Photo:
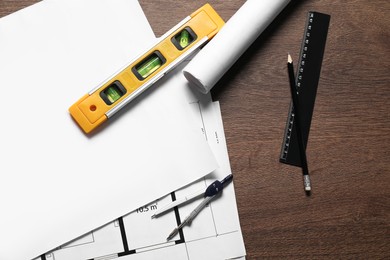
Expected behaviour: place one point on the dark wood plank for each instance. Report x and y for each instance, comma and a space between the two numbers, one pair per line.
348, 214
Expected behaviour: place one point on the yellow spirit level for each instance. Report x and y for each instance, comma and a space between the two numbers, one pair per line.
177, 44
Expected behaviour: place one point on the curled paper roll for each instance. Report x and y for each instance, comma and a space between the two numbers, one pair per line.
211, 63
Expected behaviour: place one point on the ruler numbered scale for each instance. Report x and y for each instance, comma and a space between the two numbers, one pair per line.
308, 75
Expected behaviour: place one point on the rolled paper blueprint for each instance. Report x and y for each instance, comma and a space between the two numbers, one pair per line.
242, 29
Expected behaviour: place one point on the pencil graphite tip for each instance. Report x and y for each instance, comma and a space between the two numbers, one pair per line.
289, 59
306, 183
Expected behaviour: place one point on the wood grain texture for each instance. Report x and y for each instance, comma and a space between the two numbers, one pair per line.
348, 214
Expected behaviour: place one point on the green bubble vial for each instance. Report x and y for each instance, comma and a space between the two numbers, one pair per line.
184, 39
149, 66
113, 92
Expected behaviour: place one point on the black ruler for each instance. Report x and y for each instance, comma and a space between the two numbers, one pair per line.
308, 75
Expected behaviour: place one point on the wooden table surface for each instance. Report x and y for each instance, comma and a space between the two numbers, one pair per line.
347, 215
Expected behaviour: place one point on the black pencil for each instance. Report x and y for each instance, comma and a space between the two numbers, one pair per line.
298, 124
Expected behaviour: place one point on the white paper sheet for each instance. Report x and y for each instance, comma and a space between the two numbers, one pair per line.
57, 183
214, 234
230, 43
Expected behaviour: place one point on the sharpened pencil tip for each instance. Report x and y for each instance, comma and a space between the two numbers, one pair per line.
307, 183
289, 59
